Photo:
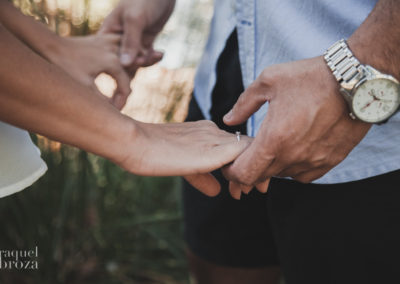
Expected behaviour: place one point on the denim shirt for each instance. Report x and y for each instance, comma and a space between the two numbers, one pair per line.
278, 31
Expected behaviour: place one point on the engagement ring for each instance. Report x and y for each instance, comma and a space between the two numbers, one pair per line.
238, 135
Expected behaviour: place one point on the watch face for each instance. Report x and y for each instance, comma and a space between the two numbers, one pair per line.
376, 100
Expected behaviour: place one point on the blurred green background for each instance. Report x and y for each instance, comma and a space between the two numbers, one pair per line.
93, 222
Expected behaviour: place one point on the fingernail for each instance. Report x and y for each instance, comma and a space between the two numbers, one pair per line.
125, 59
228, 116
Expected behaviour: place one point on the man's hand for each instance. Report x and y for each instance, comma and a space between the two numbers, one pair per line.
139, 22
307, 130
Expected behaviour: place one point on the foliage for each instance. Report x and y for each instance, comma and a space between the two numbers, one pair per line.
95, 223
68, 17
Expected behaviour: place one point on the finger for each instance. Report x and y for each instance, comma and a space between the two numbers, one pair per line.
131, 42
111, 38
141, 57
118, 101
263, 187
206, 183
250, 167
294, 170
131, 71
123, 90
235, 190
111, 42
227, 152
94, 87
152, 58
148, 40
140, 60
111, 24
311, 175
246, 189
248, 103
274, 168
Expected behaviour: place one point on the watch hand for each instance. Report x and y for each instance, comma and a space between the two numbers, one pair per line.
374, 95
367, 105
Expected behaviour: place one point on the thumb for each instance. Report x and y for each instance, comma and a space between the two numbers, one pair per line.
206, 183
131, 43
248, 103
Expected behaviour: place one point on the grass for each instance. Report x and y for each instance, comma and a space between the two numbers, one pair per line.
95, 223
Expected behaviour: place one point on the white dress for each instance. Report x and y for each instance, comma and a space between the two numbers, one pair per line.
20, 162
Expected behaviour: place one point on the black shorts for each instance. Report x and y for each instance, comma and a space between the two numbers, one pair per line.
226, 231
221, 229
340, 233
319, 234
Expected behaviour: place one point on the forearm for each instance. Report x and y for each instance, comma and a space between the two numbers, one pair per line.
40, 97
376, 42
33, 33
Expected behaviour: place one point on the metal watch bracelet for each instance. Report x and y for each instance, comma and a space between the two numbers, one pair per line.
344, 66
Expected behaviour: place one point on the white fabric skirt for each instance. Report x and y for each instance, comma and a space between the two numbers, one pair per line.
20, 161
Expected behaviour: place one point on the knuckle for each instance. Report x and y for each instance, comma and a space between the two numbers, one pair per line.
279, 139
246, 180
269, 76
112, 61
207, 123
266, 77
131, 16
294, 155
319, 160
261, 99
245, 177
238, 175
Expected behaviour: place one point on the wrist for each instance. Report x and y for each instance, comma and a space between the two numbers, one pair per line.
371, 54
372, 96
124, 144
376, 41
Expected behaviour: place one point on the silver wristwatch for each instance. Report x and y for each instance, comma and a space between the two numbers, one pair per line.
372, 96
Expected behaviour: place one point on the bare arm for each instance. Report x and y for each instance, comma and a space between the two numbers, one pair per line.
40, 97
376, 42
33, 33
84, 58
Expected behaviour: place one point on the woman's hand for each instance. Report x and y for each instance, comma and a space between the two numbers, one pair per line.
192, 149
64, 110
84, 58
